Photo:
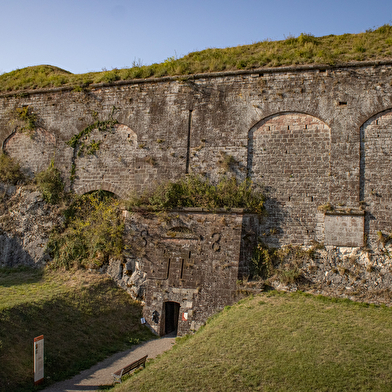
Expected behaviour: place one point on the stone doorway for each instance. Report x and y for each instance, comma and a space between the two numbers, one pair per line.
171, 312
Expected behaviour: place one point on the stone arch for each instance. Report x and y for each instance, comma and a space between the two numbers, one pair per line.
375, 172
111, 166
33, 150
104, 186
289, 153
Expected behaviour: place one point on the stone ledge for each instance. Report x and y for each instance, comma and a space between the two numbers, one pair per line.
346, 213
194, 210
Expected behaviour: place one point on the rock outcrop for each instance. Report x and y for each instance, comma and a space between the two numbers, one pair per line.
25, 224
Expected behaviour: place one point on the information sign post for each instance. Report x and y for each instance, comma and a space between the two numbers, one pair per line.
38, 359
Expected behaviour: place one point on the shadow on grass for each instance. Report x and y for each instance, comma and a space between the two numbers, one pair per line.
20, 275
81, 328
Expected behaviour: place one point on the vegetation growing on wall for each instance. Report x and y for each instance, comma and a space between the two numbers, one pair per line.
93, 232
79, 139
197, 191
383, 239
304, 49
24, 119
102, 126
10, 170
50, 184
283, 263
226, 162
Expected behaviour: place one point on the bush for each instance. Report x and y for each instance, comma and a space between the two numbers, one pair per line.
49, 182
93, 232
10, 170
196, 191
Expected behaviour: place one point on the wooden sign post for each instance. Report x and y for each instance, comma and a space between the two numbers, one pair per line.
38, 359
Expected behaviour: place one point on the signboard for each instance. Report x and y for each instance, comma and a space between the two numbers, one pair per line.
38, 359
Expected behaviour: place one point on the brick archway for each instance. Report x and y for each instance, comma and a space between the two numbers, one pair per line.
375, 171
33, 150
111, 166
290, 154
104, 186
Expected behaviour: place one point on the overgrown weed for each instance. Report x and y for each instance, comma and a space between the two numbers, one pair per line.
197, 191
284, 263
10, 171
92, 233
50, 184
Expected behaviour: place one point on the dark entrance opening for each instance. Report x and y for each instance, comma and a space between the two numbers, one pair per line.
172, 311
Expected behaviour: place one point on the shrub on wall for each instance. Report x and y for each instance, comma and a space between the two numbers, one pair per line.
93, 232
49, 182
10, 170
282, 263
197, 191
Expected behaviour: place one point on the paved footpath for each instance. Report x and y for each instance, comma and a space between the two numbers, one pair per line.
101, 373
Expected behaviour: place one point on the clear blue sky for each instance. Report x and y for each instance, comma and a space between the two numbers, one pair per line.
89, 35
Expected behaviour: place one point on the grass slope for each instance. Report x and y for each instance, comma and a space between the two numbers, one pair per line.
279, 342
305, 49
83, 316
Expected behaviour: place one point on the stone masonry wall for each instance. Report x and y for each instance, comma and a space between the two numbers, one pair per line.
326, 142
190, 257
291, 156
376, 168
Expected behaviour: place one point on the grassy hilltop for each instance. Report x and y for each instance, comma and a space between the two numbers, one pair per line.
279, 342
305, 49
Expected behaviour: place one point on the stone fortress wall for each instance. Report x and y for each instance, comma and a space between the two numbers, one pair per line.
312, 135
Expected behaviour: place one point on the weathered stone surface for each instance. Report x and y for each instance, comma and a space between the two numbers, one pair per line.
191, 258
25, 223
344, 230
310, 136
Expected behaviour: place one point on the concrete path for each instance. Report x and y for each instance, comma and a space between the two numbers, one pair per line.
101, 373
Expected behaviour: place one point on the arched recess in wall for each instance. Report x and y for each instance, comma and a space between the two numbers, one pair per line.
290, 154
105, 160
375, 173
33, 149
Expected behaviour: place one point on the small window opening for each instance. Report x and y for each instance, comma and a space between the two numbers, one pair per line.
182, 268
168, 269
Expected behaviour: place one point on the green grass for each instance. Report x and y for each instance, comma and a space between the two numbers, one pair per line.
83, 316
279, 342
305, 49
